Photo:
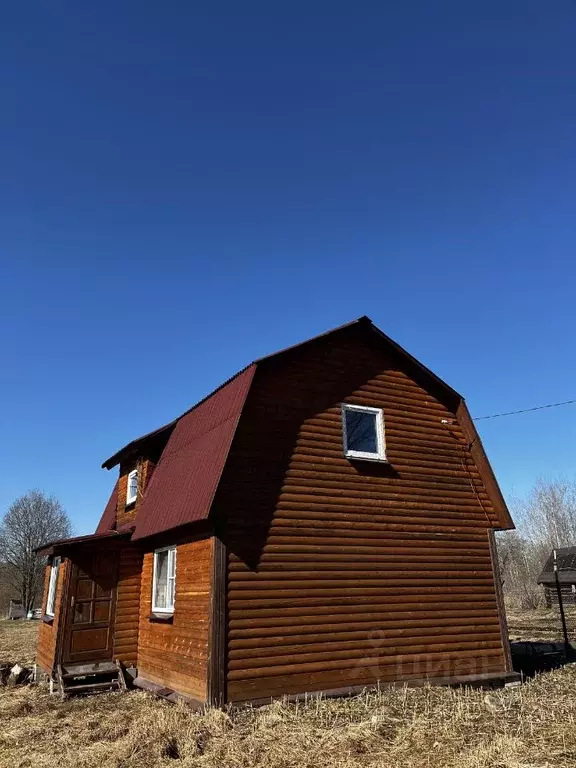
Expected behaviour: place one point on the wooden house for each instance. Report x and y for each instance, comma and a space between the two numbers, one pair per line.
566, 564
321, 522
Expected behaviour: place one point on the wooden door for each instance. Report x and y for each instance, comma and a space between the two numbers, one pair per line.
89, 630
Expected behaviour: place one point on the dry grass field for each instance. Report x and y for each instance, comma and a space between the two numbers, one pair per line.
531, 726
18, 641
541, 624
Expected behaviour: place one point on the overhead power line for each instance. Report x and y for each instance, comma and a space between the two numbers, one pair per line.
524, 410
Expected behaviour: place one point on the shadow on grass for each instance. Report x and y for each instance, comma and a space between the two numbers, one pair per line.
529, 657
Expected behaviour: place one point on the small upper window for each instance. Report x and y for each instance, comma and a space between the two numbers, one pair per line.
51, 602
363, 430
164, 582
132, 487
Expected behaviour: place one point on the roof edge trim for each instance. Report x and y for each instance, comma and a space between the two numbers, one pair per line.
484, 467
117, 457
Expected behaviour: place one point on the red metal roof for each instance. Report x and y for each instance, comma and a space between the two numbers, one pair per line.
109, 515
165, 429
363, 321
186, 477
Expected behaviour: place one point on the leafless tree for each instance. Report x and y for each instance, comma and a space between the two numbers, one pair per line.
545, 520
520, 564
31, 521
549, 514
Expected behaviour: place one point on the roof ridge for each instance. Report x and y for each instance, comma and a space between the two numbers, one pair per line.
362, 320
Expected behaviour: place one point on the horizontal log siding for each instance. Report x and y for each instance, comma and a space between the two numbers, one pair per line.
344, 573
128, 606
551, 595
127, 514
176, 655
48, 633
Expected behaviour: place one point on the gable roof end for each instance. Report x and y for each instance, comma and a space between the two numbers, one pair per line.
187, 475
362, 322
366, 323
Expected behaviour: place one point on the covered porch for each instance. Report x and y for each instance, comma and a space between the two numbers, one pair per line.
91, 609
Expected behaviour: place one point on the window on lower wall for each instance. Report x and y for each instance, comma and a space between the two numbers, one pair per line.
51, 602
363, 432
164, 582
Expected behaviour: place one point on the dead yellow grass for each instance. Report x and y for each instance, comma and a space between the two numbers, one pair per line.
532, 726
541, 624
18, 641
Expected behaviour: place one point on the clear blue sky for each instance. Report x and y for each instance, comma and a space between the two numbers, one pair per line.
187, 186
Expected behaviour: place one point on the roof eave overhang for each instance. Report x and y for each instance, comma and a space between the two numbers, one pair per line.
440, 383
133, 448
484, 468
62, 546
564, 577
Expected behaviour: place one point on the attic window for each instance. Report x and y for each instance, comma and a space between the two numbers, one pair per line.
132, 487
363, 431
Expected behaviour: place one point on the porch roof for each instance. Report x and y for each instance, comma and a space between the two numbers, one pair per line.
60, 545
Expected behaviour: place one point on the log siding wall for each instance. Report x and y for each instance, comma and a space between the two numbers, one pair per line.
126, 514
342, 573
176, 655
48, 633
127, 618
566, 590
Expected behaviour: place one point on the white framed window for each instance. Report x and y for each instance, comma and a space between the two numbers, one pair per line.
52, 586
164, 582
132, 487
363, 432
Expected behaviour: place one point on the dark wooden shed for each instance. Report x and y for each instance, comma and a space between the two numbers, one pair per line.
322, 522
566, 564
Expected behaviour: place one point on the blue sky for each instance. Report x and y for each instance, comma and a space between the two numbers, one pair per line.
187, 186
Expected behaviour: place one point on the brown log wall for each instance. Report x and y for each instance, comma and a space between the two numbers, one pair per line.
176, 655
128, 606
48, 633
343, 573
127, 514
551, 595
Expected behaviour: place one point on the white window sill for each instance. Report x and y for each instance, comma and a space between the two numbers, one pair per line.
357, 456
